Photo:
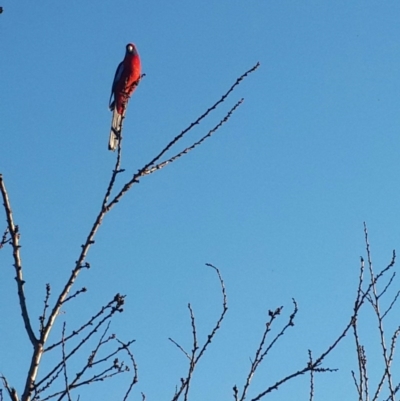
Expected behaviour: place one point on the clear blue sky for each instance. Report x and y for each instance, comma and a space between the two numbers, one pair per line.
276, 199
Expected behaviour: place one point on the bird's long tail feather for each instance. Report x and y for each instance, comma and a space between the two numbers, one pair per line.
115, 132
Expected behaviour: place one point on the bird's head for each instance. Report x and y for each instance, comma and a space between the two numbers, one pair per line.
130, 48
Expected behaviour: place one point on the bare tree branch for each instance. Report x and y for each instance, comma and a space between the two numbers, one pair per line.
147, 167
14, 233
262, 349
361, 296
376, 305
198, 352
115, 306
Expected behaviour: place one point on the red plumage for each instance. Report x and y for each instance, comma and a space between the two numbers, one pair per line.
125, 81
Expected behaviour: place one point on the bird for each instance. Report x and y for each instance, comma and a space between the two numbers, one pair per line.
126, 79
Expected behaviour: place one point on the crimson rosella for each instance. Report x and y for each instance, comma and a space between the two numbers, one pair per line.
126, 79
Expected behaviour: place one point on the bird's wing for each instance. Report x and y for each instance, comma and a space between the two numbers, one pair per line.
117, 77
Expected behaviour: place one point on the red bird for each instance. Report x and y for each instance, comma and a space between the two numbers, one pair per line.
125, 82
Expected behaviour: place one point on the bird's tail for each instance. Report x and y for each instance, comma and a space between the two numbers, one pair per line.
115, 132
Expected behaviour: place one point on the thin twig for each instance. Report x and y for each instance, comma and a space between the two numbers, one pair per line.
188, 149
357, 386
195, 347
64, 364
387, 285
42, 318
360, 384
4, 239
180, 347
391, 305
135, 378
222, 316
11, 391
311, 376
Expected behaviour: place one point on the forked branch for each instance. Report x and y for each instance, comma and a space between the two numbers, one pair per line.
375, 298
198, 351
151, 166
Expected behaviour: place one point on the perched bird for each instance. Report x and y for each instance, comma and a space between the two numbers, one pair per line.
125, 81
